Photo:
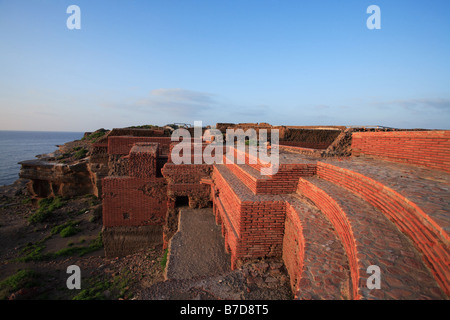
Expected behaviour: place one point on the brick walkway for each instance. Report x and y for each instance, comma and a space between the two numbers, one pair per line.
374, 212
379, 242
325, 273
428, 189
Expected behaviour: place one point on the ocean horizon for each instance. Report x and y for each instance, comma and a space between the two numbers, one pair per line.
16, 146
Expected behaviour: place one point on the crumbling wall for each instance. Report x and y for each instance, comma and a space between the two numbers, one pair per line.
124, 240
98, 166
135, 199
143, 161
129, 201
122, 144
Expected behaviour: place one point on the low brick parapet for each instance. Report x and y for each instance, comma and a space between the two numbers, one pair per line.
424, 148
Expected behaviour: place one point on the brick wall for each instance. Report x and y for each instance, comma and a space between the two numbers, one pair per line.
338, 219
143, 160
129, 201
252, 228
284, 182
136, 132
425, 148
123, 144
429, 238
293, 246
262, 228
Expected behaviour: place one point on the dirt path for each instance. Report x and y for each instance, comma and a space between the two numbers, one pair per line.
198, 267
197, 249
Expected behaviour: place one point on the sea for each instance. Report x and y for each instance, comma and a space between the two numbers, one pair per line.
17, 146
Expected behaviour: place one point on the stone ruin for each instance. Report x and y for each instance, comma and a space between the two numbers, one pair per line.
343, 199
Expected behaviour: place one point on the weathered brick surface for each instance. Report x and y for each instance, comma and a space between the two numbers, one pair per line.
123, 144
313, 254
143, 161
256, 223
283, 182
425, 148
371, 239
326, 247
424, 221
129, 201
136, 132
122, 240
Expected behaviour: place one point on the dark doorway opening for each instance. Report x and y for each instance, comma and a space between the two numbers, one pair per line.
181, 201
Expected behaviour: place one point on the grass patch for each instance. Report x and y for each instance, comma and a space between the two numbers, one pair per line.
32, 252
46, 208
21, 279
80, 154
66, 229
95, 245
26, 201
69, 231
82, 211
164, 259
106, 289
95, 136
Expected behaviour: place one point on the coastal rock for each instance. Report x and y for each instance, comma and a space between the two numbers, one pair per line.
49, 178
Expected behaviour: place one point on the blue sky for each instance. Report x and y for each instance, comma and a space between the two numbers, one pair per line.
284, 62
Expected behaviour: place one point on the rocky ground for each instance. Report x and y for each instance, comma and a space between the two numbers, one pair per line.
37, 246
35, 253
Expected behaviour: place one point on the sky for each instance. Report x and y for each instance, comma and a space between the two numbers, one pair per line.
136, 62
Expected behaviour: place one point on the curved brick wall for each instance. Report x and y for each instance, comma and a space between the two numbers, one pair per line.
425, 148
293, 246
428, 237
338, 218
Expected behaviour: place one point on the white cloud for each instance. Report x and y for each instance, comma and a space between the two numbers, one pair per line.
174, 101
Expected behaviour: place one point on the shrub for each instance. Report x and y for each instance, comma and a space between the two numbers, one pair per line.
21, 279
69, 231
80, 154
46, 207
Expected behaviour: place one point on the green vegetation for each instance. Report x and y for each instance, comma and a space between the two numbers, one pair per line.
81, 211
102, 289
95, 136
46, 207
145, 126
21, 279
67, 229
26, 201
253, 143
33, 252
95, 245
80, 154
164, 259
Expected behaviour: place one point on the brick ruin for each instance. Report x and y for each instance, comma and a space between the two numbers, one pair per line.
343, 199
